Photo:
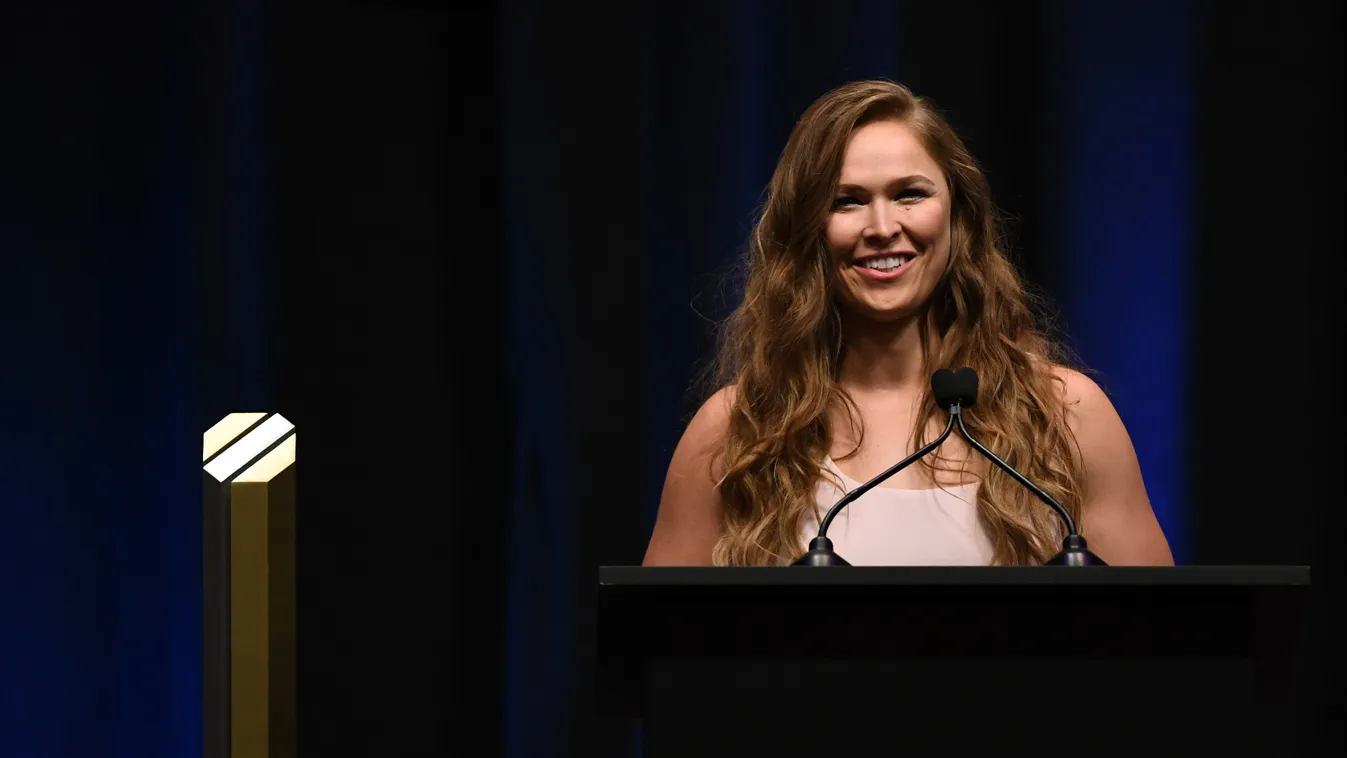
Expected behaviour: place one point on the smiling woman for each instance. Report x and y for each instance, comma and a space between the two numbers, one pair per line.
877, 260
890, 221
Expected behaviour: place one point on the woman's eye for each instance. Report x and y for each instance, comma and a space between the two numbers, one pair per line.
911, 195
844, 201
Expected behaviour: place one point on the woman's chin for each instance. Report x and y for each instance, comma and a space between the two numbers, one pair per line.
880, 313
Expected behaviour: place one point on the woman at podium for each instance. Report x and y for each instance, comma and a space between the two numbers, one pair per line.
876, 260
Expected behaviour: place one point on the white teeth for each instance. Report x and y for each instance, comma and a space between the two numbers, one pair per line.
887, 263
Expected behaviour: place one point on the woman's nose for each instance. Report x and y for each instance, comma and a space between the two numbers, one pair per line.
883, 222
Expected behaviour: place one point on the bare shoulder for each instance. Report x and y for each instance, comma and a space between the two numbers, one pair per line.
1117, 518
1081, 395
1099, 433
708, 427
1090, 414
688, 521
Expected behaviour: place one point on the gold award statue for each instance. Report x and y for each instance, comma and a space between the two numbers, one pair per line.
248, 551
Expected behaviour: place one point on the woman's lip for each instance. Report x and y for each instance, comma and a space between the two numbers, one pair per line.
883, 276
881, 256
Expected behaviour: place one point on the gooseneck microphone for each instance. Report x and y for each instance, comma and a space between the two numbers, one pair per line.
821, 548
963, 385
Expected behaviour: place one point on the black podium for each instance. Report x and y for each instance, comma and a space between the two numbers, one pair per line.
979, 661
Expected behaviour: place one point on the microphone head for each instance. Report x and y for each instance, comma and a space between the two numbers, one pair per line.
943, 388
950, 387
966, 380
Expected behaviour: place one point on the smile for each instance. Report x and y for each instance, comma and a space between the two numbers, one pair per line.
884, 268
887, 263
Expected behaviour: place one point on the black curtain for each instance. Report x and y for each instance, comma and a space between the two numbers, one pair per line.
387, 316
1267, 310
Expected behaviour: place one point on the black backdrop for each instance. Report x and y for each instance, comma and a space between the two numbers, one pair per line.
472, 252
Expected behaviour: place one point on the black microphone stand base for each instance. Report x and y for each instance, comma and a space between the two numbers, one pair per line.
821, 554
1075, 558
1075, 553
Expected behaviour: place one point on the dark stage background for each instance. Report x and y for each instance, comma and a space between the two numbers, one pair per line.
476, 254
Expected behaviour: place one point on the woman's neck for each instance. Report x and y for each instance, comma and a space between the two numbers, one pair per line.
883, 356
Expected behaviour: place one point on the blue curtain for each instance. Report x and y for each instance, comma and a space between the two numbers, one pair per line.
1123, 216
110, 187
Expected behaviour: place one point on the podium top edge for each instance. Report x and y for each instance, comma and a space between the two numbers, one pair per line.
647, 576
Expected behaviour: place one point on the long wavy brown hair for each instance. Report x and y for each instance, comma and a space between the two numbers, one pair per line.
782, 347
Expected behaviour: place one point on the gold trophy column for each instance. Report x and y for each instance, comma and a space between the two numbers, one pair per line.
248, 532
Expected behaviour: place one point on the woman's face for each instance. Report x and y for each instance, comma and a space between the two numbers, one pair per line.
889, 228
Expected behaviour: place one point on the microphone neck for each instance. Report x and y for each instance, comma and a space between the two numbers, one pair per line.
877, 480
956, 415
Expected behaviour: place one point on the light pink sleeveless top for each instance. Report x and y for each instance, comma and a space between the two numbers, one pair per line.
895, 527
